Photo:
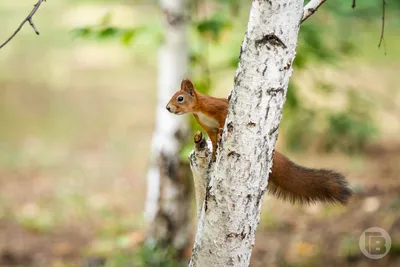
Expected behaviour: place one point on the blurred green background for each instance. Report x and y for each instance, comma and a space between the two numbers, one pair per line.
77, 112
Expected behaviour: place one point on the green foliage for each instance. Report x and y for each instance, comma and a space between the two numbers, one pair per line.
35, 219
349, 246
313, 46
126, 36
365, 9
395, 204
81, 32
213, 27
105, 31
145, 256
301, 124
348, 130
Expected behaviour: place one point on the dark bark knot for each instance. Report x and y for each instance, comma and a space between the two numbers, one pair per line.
275, 91
236, 235
229, 127
259, 197
173, 18
251, 124
238, 79
233, 153
270, 39
208, 197
249, 198
311, 10
286, 67
268, 1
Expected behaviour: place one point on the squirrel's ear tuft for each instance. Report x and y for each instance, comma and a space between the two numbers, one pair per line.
187, 86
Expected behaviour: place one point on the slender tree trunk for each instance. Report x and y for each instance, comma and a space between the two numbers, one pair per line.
168, 198
231, 210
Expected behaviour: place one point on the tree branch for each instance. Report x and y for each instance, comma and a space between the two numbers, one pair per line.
199, 163
311, 8
27, 19
382, 39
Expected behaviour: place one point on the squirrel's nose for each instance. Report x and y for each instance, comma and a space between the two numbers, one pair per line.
168, 108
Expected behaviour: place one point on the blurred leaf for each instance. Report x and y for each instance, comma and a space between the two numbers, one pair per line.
324, 86
202, 84
109, 32
300, 60
106, 19
347, 47
214, 26
195, 57
348, 132
312, 43
129, 35
185, 151
232, 5
81, 32
233, 62
357, 104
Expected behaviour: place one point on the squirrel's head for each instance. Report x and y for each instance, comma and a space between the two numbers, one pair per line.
183, 101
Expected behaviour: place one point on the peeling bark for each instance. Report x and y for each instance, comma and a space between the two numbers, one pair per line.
168, 194
230, 212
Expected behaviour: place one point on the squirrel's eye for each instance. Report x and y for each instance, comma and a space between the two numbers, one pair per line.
180, 98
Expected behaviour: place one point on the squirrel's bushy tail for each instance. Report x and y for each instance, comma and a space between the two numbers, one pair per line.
290, 181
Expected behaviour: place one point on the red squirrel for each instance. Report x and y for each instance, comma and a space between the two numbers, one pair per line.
287, 179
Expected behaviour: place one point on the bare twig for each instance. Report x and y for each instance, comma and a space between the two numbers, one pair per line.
311, 8
382, 39
353, 5
27, 19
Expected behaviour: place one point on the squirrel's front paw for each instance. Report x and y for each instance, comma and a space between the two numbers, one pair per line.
219, 138
213, 157
212, 161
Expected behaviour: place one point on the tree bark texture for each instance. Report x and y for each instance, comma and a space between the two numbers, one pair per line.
168, 195
238, 179
199, 163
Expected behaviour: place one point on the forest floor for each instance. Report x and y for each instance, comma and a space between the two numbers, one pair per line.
287, 236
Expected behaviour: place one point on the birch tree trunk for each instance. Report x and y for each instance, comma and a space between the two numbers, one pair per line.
168, 194
231, 210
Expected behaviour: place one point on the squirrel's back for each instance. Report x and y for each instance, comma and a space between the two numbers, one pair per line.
290, 181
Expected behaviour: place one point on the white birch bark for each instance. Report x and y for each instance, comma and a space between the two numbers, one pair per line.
199, 162
168, 200
238, 179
